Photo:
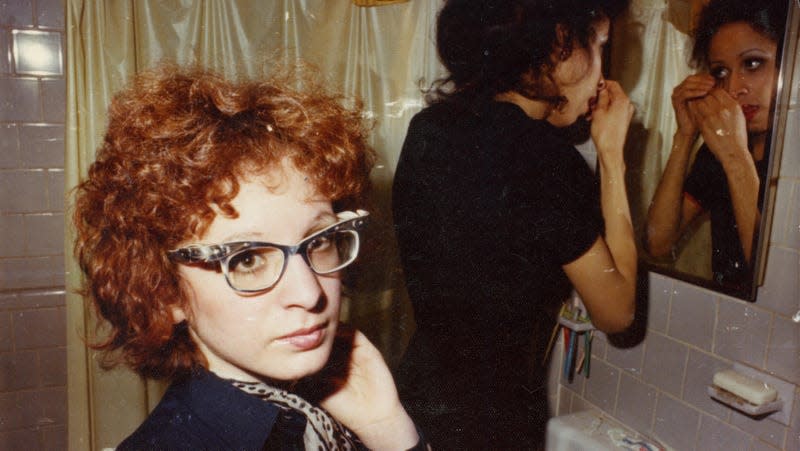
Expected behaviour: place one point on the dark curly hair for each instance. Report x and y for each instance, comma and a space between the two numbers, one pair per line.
767, 17
178, 141
490, 47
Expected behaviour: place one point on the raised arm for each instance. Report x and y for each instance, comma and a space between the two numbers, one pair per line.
722, 124
605, 276
670, 212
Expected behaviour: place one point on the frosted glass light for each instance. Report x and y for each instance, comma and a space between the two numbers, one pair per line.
37, 52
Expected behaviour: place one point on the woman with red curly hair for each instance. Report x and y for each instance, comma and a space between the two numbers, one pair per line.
212, 231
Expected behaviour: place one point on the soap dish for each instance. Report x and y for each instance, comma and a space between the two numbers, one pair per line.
743, 405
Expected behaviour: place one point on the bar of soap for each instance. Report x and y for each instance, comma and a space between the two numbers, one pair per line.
751, 390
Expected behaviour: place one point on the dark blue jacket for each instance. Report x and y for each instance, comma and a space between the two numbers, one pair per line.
205, 412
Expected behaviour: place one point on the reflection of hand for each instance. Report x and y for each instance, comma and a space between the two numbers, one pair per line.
692, 87
357, 388
722, 124
610, 120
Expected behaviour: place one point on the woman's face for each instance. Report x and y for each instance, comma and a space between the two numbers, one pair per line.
578, 79
285, 332
743, 62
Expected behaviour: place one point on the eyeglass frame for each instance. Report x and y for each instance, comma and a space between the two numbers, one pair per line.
223, 252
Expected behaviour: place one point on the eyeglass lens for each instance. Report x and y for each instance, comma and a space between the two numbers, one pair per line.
259, 268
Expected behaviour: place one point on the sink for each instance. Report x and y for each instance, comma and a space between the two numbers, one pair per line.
590, 430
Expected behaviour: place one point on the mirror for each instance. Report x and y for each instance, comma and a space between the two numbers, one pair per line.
651, 51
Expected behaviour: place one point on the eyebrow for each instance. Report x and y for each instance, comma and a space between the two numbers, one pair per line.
322, 220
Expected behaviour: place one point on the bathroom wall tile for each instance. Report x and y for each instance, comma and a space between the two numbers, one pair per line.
9, 146
759, 445
16, 12
23, 191
783, 353
42, 146
18, 370
601, 387
716, 435
53, 405
767, 430
699, 375
6, 332
793, 433
660, 294
45, 234
54, 97
40, 328
28, 439
580, 404
790, 161
780, 216
54, 437
675, 423
55, 190
13, 242
627, 359
636, 404
5, 51
793, 224
744, 334
50, 13
53, 367
19, 100
30, 300
599, 345
665, 363
692, 316
17, 410
33, 272
781, 289
564, 402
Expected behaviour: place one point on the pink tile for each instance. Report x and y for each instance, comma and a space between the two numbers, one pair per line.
50, 13
42, 146
627, 359
19, 370
54, 96
16, 12
9, 143
718, 436
13, 242
676, 423
665, 363
45, 234
636, 404
23, 191
6, 331
660, 294
742, 332
781, 289
692, 316
699, 375
55, 190
40, 328
53, 367
783, 353
20, 100
602, 385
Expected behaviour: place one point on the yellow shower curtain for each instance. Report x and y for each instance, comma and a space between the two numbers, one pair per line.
379, 54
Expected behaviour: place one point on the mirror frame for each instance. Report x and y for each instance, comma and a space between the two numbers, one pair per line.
787, 54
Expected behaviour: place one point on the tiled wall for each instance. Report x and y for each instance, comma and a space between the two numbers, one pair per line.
33, 405
658, 385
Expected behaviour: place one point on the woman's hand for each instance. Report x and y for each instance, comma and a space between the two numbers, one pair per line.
722, 123
358, 390
691, 88
610, 120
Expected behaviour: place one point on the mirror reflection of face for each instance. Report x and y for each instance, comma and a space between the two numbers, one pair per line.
286, 332
743, 62
578, 78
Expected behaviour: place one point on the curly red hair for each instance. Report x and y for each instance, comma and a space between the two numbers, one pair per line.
178, 141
